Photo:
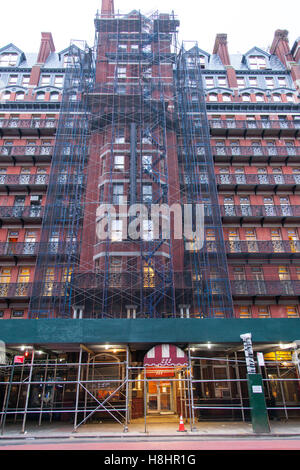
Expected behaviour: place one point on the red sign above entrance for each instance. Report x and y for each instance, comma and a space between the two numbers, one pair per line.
160, 372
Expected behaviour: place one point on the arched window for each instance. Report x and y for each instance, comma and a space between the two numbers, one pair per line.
276, 97
40, 96
259, 97
290, 97
54, 96
226, 97
246, 97
20, 95
213, 97
6, 95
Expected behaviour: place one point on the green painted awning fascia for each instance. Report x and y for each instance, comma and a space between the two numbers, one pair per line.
93, 331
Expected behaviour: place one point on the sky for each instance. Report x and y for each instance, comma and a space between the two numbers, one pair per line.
246, 23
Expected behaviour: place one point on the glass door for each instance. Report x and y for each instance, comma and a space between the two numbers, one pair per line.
159, 398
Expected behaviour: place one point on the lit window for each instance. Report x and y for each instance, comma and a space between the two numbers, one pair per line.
149, 278
263, 312
292, 312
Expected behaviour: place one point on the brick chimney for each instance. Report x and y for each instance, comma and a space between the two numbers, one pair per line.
46, 47
107, 8
280, 46
221, 49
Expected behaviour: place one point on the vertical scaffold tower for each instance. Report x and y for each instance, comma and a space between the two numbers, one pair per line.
205, 266
61, 233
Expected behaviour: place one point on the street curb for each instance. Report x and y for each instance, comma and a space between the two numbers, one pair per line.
147, 436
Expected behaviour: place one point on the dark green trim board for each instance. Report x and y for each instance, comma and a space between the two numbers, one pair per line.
91, 331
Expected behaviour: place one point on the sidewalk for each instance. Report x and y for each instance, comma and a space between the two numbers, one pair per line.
137, 430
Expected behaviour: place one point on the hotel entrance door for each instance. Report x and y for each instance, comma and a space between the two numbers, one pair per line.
159, 397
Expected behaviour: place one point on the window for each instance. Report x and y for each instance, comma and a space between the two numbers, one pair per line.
222, 81
253, 81
289, 97
6, 95
213, 97
240, 82
245, 97
115, 269
147, 163
120, 135
118, 193
209, 82
147, 193
121, 72
12, 79
58, 81
244, 311
282, 82
292, 311
20, 96
226, 97
147, 233
117, 230
45, 80
276, 98
269, 82
8, 59
122, 48
17, 314
263, 312
149, 276
54, 96
40, 96
25, 80
257, 62
119, 163
134, 48
259, 97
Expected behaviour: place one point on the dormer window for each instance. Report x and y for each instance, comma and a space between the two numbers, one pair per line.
257, 62
8, 59
202, 61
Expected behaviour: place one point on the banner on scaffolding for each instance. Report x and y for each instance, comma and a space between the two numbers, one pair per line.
248, 349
